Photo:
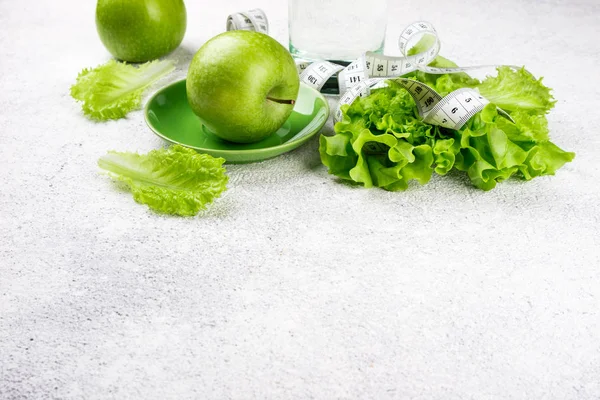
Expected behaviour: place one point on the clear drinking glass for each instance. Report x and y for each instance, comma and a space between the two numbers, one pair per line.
336, 30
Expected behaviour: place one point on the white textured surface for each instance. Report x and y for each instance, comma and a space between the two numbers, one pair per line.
293, 285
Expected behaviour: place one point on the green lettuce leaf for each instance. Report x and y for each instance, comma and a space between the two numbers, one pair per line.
527, 127
490, 152
517, 91
112, 90
381, 142
176, 180
444, 152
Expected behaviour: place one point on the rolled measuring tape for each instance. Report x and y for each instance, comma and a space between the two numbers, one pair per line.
451, 111
372, 70
251, 20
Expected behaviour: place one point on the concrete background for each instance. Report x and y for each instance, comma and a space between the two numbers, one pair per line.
292, 285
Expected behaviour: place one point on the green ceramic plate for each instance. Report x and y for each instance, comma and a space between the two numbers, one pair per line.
169, 115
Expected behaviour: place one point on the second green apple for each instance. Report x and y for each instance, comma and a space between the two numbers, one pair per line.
242, 85
140, 30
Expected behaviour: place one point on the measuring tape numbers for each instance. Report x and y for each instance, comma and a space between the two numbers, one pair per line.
451, 111
316, 75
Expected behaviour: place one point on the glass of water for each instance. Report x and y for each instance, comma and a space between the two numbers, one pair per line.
336, 30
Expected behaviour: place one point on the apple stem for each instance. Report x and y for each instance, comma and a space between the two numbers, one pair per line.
281, 101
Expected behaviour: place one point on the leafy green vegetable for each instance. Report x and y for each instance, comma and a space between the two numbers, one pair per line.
111, 90
491, 154
517, 90
382, 142
176, 180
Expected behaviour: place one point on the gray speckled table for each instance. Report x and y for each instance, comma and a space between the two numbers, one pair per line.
293, 285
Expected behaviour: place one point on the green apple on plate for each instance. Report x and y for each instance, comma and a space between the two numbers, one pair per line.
242, 85
168, 115
140, 30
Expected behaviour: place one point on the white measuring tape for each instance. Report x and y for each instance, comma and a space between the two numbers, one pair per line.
371, 70
251, 20
451, 111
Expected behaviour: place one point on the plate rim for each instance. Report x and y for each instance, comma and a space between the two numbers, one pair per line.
281, 146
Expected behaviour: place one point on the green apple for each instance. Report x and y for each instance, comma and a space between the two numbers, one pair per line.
242, 85
140, 30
